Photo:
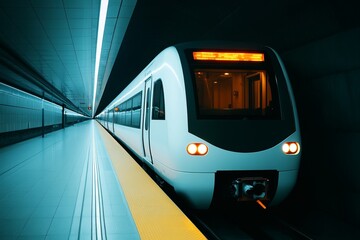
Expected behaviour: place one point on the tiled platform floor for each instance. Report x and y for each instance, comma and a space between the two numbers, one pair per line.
62, 186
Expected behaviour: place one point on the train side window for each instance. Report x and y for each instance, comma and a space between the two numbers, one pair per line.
136, 110
158, 101
128, 112
122, 114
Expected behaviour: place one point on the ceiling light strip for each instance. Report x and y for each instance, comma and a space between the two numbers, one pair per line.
100, 36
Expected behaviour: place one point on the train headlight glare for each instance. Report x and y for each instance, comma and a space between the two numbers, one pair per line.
197, 149
285, 147
291, 148
202, 149
192, 149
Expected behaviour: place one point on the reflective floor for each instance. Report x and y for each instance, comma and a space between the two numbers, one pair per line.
62, 186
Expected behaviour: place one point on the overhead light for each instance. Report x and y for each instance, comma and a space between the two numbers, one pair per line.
100, 36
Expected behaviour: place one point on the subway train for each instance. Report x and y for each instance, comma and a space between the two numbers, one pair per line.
216, 121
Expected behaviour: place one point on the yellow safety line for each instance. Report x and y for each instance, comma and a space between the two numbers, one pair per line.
155, 215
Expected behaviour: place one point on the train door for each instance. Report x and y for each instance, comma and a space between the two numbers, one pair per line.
146, 121
107, 119
113, 120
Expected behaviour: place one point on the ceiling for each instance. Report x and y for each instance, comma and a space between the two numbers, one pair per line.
51, 44
48, 47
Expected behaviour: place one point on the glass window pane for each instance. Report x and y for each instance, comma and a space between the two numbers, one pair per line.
158, 101
235, 93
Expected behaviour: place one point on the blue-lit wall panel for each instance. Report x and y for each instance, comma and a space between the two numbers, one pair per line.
18, 110
53, 114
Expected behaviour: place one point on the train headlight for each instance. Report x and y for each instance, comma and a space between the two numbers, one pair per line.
197, 149
192, 149
202, 149
291, 148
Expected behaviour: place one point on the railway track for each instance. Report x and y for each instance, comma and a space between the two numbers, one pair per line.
244, 222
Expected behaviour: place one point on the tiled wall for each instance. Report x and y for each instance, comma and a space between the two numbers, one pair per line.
19, 110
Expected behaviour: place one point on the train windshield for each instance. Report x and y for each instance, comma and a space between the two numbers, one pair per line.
236, 93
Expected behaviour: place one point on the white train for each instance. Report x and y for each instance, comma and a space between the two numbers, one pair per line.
217, 121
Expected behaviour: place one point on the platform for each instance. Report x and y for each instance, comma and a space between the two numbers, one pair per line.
79, 183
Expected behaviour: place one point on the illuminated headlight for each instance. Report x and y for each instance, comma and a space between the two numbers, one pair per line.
291, 148
192, 149
197, 149
202, 149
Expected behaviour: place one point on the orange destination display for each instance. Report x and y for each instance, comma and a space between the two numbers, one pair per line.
229, 56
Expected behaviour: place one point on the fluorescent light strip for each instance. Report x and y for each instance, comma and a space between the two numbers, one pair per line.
100, 36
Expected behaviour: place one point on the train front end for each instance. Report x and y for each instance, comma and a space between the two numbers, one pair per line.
243, 129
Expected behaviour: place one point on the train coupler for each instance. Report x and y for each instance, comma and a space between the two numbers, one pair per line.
250, 189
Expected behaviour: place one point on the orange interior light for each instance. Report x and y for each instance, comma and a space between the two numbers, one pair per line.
116, 109
229, 56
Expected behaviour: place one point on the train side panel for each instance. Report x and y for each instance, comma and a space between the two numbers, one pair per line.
167, 132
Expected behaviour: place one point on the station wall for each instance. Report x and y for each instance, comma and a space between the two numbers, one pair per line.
326, 81
23, 116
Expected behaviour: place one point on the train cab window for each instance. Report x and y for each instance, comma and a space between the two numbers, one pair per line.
158, 109
236, 93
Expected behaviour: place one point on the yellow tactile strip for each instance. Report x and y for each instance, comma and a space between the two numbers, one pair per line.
155, 215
